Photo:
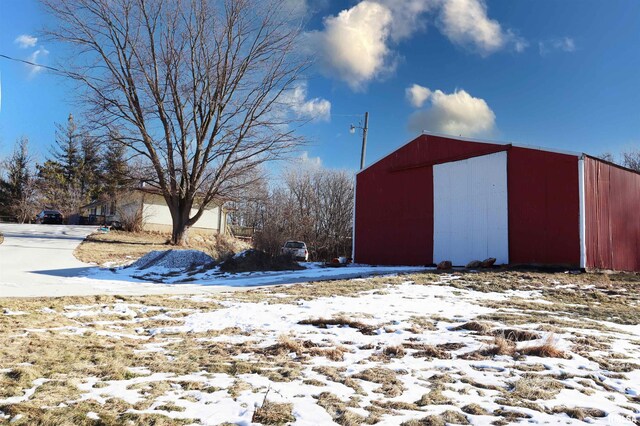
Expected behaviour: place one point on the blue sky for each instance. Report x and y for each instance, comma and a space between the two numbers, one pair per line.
560, 74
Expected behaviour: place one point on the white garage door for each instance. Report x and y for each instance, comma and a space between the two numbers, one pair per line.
470, 210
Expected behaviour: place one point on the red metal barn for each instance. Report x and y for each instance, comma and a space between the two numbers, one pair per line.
438, 198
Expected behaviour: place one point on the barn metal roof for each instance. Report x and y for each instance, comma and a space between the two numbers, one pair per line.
483, 141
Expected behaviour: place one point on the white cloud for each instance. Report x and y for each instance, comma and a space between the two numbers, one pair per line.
36, 57
456, 113
356, 46
313, 109
307, 161
465, 23
417, 95
353, 45
408, 16
25, 40
563, 44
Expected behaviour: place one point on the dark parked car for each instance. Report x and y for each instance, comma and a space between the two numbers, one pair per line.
49, 216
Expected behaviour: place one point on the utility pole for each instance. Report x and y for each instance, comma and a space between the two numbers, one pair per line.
364, 139
364, 128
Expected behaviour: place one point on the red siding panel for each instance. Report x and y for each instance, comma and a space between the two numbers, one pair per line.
394, 201
612, 197
544, 208
394, 218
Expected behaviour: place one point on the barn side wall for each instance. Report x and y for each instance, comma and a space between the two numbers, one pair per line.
394, 201
544, 208
612, 198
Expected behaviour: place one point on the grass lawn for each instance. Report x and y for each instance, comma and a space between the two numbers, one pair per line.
118, 247
422, 349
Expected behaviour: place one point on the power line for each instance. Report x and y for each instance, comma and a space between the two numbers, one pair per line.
29, 63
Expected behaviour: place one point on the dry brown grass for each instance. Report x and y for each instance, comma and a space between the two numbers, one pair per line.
433, 397
442, 419
170, 407
598, 296
515, 335
477, 326
547, 349
119, 247
273, 413
391, 386
310, 291
363, 328
333, 354
501, 346
394, 351
67, 358
579, 413
337, 374
474, 409
534, 386
339, 410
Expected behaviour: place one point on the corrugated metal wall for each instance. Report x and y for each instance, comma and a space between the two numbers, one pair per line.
544, 208
394, 200
395, 212
612, 200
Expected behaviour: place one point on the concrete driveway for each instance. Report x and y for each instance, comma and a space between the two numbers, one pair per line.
38, 260
39, 256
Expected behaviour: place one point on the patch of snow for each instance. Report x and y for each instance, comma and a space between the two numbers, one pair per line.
93, 415
27, 393
9, 312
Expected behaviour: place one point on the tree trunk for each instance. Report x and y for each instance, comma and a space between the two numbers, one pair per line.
180, 218
180, 234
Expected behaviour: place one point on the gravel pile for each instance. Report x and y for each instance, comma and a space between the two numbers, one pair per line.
172, 259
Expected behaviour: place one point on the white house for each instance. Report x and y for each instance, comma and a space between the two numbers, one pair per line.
155, 212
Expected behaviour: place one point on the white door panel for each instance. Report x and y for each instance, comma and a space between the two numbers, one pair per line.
470, 210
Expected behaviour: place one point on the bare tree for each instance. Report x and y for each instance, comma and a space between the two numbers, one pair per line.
607, 156
314, 205
196, 87
631, 159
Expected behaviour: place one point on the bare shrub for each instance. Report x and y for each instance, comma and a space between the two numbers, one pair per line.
132, 217
256, 260
314, 205
222, 246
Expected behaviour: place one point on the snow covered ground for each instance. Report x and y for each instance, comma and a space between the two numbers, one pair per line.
37, 260
487, 348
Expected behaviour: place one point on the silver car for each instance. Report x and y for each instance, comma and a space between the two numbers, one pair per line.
297, 250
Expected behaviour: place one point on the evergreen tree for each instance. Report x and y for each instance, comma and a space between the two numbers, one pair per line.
67, 151
18, 187
115, 168
90, 173
52, 186
71, 177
